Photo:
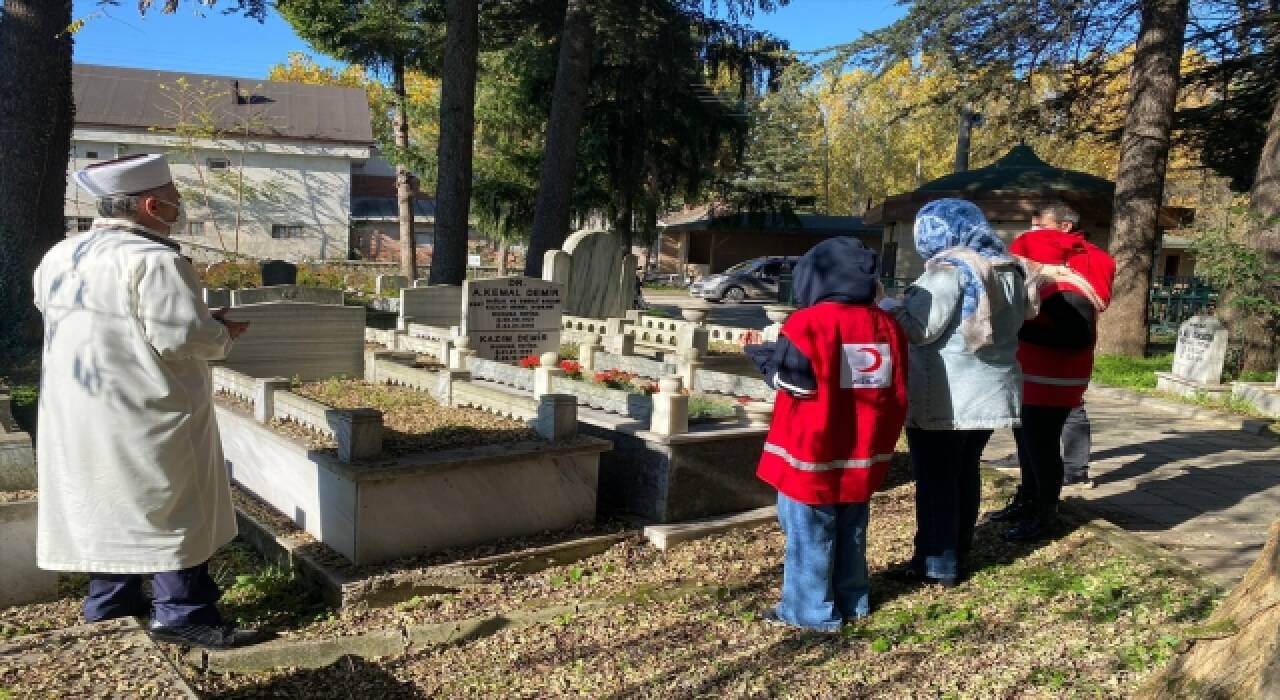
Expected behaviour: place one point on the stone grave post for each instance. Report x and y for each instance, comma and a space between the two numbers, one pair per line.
1198, 359
670, 408
460, 352
777, 315
690, 363
264, 397
557, 417
510, 318
587, 352
546, 372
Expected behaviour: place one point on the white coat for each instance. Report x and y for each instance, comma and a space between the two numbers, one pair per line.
131, 473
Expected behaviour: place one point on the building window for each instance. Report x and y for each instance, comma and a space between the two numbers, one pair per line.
90, 154
286, 231
218, 163
77, 224
195, 228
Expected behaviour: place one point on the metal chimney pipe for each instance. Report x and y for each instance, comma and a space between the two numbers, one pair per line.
967, 120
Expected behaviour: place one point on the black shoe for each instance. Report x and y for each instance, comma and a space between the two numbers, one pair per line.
1082, 479
1017, 508
1032, 528
908, 574
207, 636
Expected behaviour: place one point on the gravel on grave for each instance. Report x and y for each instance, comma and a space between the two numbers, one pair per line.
412, 420
1072, 617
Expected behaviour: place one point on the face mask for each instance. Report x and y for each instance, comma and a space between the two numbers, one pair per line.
179, 223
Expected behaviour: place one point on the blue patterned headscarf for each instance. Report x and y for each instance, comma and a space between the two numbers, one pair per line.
946, 224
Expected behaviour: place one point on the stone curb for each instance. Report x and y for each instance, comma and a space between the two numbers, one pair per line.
666, 536
1255, 426
343, 590
386, 643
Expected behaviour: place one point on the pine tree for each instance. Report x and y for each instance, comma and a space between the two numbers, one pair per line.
391, 37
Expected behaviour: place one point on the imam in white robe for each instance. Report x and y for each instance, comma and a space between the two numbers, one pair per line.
131, 473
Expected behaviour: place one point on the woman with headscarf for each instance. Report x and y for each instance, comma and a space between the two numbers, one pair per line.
961, 318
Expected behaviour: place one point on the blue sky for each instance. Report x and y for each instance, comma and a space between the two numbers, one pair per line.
208, 42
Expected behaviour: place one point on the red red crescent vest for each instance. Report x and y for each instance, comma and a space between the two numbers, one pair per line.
835, 446
1056, 376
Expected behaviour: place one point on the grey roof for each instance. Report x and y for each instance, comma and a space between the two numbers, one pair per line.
132, 98
1020, 170
814, 224
378, 208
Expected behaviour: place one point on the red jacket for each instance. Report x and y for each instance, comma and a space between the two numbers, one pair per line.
835, 445
1058, 374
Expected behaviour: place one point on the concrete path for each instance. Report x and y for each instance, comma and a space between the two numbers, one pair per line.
1203, 489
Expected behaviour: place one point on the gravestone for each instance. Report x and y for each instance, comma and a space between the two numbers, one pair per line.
1198, 359
276, 272
291, 339
510, 318
386, 285
217, 298
598, 275
286, 292
440, 305
1201, 350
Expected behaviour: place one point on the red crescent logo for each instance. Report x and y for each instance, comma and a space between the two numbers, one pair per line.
876, 359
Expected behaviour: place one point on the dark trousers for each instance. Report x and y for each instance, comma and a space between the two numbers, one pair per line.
1077, 442
948, 495
1040, 453
184, 597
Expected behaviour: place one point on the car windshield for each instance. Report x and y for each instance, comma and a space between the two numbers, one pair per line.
743, 266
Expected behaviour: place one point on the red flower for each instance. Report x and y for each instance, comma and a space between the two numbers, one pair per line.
530, 362
570, 366
743, 399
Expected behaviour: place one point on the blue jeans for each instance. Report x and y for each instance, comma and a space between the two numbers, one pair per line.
946, 466
183, 597
824, 575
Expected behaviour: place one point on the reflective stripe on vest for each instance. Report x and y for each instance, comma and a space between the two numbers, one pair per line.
802, 465
1056, 381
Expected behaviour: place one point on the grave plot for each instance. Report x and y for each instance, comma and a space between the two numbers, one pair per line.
377, 473
21, 581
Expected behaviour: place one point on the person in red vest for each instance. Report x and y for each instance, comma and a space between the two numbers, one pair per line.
840, 369
1055, 350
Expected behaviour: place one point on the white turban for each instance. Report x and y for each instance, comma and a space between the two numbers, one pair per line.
128, 175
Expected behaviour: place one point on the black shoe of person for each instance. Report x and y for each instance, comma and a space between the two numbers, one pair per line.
1017, 508
1034, 527
207, 636
907, 573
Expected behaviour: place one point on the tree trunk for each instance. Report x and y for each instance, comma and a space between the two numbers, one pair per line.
1144, 156
36, 112
1264, 201
404, 186
560, 161
504, 250
457, 141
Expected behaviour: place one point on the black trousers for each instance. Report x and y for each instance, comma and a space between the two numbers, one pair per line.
1040, 453
945, 464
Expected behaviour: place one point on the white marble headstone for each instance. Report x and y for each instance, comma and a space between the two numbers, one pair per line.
1201, 350
598, 275
510, 318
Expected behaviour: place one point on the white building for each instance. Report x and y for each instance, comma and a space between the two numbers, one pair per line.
265, 168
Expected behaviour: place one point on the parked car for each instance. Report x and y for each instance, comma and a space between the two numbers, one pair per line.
750, 279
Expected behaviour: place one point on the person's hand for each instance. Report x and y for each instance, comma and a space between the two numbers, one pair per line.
235, 328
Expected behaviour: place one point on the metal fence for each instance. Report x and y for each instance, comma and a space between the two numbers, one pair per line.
1176, 299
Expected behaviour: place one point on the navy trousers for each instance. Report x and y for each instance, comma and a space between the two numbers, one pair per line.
1040, 454
184, 597
946, 465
